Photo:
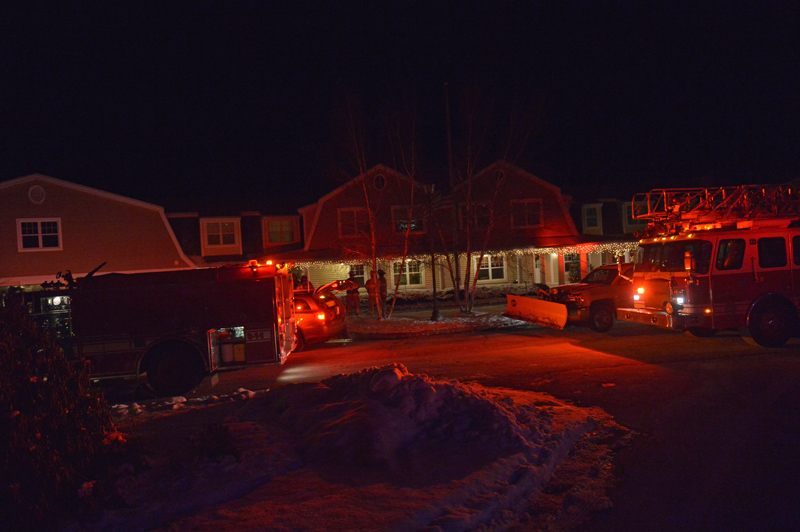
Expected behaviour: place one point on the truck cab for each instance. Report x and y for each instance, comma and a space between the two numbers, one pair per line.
595, 299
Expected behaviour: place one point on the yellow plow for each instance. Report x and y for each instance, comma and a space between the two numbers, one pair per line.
538, 311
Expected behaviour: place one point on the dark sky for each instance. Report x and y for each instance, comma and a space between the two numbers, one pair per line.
246, 100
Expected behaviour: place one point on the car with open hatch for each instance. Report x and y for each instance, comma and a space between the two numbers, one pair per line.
319, 314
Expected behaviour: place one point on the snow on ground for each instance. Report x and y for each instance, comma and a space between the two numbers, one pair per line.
381, 449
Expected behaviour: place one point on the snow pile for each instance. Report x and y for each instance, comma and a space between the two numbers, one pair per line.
381, 449
389, 419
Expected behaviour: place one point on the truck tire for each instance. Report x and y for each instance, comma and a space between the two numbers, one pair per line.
174, 369
770, 323
601, 317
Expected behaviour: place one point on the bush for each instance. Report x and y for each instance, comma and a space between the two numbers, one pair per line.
52, 425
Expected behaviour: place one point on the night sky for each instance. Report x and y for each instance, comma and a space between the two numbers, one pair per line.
180, 103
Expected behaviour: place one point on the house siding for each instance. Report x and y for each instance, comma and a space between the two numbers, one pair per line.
96, 227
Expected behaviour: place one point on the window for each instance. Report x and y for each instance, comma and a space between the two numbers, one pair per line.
220, 234
358, 271
42, 234
526, 213
353, 222
380, 181
409, 273
796, 248
572, 267
772, 252
492, 268
629, 215
478, 214
403, 217
280, 231
590, 218
730, 255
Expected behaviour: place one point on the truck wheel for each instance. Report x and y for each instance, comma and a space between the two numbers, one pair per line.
769, 324
174, 370
601, 318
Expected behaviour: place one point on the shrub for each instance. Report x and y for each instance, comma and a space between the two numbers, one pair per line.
52, 425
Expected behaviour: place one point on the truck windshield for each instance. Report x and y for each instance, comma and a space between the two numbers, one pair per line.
600, 276
668, 256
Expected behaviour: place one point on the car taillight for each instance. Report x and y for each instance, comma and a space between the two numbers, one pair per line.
321, 316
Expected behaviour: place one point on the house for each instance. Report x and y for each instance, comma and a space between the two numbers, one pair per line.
218, 237
48, 226
520, 222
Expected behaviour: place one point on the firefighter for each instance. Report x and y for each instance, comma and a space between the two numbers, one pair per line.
352, 297
304, 284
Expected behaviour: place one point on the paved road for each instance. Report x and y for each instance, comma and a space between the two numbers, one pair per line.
719, 419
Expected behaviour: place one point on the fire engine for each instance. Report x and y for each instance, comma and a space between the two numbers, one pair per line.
717, 259
176, 327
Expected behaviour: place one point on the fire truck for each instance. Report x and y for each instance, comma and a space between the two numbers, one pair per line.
716, 259
176, 327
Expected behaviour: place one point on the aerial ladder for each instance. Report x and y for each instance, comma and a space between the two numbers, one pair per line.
674, 210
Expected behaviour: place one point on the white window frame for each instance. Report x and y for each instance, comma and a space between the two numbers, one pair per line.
360, 274
222, 248
39, 234
400, 214
527, 223
488, 264
361, 227
406, 273
284, 221
597, 219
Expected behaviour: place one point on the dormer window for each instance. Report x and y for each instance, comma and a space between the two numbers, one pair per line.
221, 236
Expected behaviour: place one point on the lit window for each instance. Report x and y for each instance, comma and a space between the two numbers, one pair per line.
39, 234
358, 274
353, 222
526, 213
492, 268
403, 217
409, 273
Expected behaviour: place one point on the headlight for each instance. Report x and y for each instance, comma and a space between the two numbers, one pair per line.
679, 300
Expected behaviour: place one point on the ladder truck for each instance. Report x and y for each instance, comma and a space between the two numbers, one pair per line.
721, 258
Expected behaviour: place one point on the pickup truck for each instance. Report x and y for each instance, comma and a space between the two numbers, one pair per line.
593, 301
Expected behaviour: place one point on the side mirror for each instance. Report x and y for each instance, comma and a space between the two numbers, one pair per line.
688, 261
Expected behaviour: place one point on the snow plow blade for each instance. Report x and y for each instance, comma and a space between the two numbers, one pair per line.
538, 311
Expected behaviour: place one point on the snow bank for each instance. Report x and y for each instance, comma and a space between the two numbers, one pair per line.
381, 449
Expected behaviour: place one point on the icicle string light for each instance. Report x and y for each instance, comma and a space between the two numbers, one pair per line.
617, 249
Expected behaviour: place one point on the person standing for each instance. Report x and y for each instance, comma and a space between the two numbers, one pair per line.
373, 292
352, 298
304, 284
384, 291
